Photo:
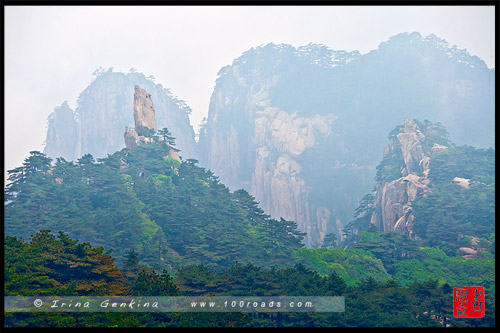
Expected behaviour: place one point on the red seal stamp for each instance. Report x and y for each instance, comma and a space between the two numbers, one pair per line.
468, 302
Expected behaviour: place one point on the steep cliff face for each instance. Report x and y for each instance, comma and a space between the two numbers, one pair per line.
436, 192
251, 144
403, 174
277, 181
301, 128
61, 133
144, 111
105, 108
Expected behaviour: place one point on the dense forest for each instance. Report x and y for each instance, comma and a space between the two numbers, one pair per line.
141, 199
140, 222
48, 265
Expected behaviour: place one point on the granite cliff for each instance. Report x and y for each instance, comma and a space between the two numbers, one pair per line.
61, 133
437, 193
252, 144
144, 112
403, 174
144, 119
104, 109
145, 130
302, 128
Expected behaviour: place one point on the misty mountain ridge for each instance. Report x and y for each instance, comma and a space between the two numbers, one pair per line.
103, 110
301, 129
155, 212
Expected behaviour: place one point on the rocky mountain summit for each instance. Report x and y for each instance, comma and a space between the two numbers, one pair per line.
144, 113
302, 129
432, 191
61, 133
144, 118
251, 144
145, 130
401, 182
105, 107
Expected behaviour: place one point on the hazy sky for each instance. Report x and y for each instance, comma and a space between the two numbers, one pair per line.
52, 51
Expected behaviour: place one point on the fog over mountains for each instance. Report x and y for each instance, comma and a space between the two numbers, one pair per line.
301, 129
104, 109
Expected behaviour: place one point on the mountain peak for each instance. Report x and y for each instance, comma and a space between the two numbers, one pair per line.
403, 173
416, 42
144, 112
144, 117
145, 130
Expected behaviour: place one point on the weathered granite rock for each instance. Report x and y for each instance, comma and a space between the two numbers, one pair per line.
393, 199
264, 104
277, 182
468, 250
144, 112
144, 117
131, 137
261, 150
411, 147
173, 153
464, 182
104, 109
145, 122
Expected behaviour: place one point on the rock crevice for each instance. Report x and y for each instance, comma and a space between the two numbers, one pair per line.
393, 198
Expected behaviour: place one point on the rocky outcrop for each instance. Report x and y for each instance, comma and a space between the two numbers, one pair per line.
277, 181
145, 123
104, 109
145, 120
464, 182
393, 198
301, 128
144, 112
393, 211
131, 137
471, 251
250, 143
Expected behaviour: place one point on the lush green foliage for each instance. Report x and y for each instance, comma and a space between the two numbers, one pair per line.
451, 214
389, 247
369, 303
352, 265
384, 256
47, 265
86, 200
433, 263
143, 200
156, 214
62, 266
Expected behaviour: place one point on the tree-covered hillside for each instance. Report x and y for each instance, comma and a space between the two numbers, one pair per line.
448, 191
50, 265
171, 213
453, 215
141, 222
